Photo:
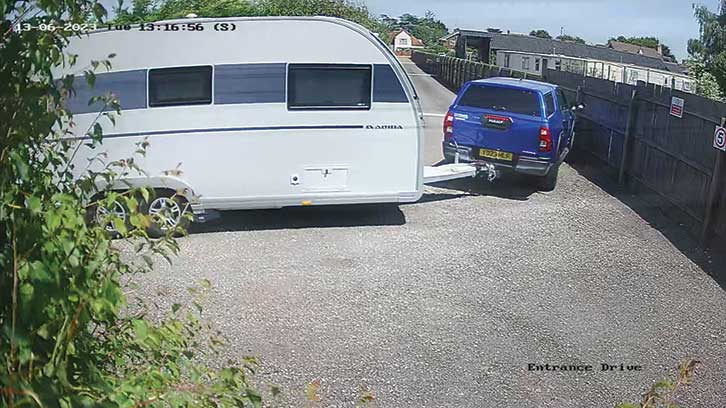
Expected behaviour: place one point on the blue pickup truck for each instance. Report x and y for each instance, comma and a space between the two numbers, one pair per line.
513, 124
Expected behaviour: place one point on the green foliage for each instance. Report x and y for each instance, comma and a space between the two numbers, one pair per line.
427, 28
70, 336
662, 394
147, 11
540, 34
710, 48
648, 42
570, 38
706, 84
437, 49
346, 9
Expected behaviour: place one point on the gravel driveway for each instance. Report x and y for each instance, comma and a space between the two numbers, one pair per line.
445, 302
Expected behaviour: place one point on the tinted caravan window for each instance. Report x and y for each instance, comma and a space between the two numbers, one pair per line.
502, 99
180, 86
318, 86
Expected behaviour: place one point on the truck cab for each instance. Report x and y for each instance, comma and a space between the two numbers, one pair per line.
513, 124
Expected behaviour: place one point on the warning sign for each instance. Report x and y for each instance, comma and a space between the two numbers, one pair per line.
677, 107
719, 138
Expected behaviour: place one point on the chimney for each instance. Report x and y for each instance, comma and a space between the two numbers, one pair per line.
660, 48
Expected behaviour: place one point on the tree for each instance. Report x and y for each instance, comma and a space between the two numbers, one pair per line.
540, 34
429, 29
147, 11
68, 336
706, 83
389, 22
709, 50
570, 38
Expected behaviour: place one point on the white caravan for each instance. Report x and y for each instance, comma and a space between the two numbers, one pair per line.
259, 113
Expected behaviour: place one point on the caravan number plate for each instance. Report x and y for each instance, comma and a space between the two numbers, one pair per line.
494, 154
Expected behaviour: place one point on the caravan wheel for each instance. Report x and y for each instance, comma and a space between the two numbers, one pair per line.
168, 213
104, 216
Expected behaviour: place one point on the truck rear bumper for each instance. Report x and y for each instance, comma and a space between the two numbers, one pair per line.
524, 165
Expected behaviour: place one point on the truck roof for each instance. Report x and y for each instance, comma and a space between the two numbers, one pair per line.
542, 87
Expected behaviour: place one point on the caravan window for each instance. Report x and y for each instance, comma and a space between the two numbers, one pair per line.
180, 86
325, 86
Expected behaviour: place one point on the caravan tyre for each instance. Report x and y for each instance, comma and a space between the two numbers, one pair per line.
168, 212
105, 216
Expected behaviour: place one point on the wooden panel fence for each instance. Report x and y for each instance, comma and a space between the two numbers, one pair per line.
668, 161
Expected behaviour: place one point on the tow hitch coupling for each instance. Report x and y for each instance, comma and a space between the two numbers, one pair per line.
488, 170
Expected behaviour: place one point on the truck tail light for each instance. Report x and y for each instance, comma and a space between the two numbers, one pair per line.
448, 125
545, 139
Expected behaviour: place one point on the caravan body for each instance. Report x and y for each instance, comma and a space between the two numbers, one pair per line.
279, 111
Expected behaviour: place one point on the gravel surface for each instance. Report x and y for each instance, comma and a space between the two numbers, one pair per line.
445, 302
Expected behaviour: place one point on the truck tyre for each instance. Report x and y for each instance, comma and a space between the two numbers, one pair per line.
549, 182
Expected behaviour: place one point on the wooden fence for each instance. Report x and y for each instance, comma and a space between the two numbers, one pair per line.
668, 161
454, 72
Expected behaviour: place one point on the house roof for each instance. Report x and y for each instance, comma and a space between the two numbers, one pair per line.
634, 49
414, 41
536, 45
447, 37
676, 68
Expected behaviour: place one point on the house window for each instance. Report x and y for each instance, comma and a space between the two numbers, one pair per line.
633, 77
326, 86
506, 60
558, 65
536, 64
686, 86
180, 86
525, 63
403, 41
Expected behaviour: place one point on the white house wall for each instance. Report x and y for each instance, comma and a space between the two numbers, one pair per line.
599, 69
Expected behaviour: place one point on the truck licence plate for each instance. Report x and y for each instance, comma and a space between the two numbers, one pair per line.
494, 154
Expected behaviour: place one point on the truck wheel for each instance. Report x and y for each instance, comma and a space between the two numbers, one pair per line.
549, 182
168, 212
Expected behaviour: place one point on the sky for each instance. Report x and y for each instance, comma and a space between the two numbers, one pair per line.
596, 21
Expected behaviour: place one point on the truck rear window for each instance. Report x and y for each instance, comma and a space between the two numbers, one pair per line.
502, 99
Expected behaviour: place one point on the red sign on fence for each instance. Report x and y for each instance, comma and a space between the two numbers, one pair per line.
677, 107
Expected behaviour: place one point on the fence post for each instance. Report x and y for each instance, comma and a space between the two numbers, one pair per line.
713, 193
447, 68
632, 116
578, 95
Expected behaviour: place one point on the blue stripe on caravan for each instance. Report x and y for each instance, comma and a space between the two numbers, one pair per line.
128, 86
249, 83
237, 129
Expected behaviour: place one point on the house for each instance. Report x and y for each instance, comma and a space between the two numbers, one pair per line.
404, 42
636, 49
533, 54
